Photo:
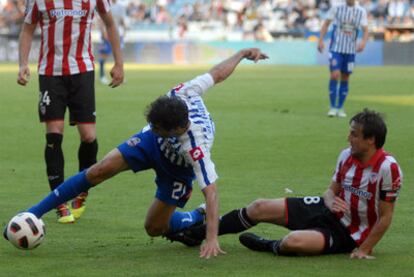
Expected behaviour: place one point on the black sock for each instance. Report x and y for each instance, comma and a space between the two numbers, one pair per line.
87, 154
55, 162
233, 222
275, 248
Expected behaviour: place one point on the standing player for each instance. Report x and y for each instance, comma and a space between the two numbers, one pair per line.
348, 18
66, 80
119, 14
176, 144
353, 215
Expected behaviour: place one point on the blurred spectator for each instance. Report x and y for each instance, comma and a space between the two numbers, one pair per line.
138, 13
161, 15
396, 11
182, 26
292, 17
260, 33
13, 15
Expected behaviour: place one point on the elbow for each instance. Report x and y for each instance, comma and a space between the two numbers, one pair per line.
217, 76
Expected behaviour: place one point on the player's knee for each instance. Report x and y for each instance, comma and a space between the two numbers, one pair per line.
257, 208
88, 138
335, 75
292, 242
97, 173
154, 230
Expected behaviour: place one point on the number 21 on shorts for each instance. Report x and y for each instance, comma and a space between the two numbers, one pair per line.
178, 190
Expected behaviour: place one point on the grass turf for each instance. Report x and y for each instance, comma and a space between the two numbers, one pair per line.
272, 134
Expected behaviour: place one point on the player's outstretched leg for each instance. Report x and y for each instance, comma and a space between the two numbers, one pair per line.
257, 243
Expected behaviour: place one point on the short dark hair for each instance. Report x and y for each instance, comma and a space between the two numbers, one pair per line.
167, 113
373, 125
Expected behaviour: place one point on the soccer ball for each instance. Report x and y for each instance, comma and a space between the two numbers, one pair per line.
25, 231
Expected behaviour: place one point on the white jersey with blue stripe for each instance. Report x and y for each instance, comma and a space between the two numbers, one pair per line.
193, 147
347, 20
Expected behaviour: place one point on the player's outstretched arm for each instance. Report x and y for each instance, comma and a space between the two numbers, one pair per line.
25, 43
221, 71
211, 245
386, 210
117, 71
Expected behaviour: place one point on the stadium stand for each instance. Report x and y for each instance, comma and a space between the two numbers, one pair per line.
239, 19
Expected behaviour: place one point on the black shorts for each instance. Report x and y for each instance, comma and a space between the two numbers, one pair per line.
311, 213
77, 92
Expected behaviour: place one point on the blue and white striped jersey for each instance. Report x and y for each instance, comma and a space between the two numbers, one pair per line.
193, 147
347, 20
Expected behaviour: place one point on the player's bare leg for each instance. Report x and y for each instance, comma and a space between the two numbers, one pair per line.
112, 164
303, 242
267, 210
158, 218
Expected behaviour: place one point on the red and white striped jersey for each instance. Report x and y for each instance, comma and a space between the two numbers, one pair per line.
363, 186
65, 34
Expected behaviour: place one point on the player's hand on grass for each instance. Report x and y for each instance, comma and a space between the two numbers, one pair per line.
210, 248
359, 254
254, 54
117, 74
23, 75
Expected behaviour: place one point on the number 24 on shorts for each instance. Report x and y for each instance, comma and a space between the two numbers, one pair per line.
44, 98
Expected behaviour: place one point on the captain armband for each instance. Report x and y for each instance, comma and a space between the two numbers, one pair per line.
389, 196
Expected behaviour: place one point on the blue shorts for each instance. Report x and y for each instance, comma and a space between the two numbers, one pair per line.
174, 183
343, 62
105, 47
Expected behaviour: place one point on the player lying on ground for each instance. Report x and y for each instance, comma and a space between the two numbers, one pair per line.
353, 215
176, 144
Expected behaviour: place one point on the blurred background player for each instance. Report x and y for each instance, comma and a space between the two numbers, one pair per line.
176, 144
347, 18
119, 15
66, 80
353, 215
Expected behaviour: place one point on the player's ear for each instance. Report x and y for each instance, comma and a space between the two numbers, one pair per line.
371, 141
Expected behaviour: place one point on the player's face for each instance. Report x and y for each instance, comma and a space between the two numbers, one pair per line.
171, 133
350, 2
360, 146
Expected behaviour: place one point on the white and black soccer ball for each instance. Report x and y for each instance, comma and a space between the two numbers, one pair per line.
25, 231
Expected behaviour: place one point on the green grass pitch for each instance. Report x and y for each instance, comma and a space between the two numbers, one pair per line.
272, 133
